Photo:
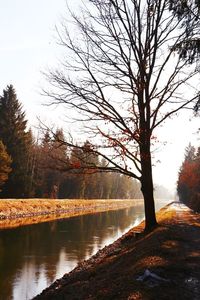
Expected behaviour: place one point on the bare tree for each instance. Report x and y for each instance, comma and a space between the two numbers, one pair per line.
123, 78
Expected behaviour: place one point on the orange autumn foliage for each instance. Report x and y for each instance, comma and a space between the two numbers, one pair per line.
189, 174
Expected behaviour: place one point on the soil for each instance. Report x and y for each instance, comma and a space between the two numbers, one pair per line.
162, 264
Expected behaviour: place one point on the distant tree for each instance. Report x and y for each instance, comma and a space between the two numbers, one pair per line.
105, 182
33, 161
41, 162
125, 187
190, 153
124, 78
52, 156
71, 184
79, 170
57, 160
188, 185
188, 179
16, 138
89, 176
5, 162
122, 187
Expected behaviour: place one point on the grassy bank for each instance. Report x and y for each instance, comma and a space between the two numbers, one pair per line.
163, 264
18, 212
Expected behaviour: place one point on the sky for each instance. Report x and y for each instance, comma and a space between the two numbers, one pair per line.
28, 46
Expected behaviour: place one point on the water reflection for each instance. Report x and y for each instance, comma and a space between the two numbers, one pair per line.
32, 257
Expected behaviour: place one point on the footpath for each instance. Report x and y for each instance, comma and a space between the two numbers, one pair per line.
163, 264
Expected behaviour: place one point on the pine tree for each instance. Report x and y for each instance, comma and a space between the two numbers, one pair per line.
190, 153
5, 162
188, 12
15, 137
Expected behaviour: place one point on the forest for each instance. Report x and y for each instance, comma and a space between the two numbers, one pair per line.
46, 168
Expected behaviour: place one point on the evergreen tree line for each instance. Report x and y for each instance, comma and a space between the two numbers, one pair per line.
45, 168
188, 186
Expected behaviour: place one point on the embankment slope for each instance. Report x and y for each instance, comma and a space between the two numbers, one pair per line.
163, 264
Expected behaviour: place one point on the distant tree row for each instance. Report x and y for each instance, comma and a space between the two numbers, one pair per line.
59, 173
188, 186
29, 168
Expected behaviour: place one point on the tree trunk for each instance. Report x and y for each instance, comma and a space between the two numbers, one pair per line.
147, 190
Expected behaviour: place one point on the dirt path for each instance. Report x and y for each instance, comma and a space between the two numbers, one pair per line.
163, 264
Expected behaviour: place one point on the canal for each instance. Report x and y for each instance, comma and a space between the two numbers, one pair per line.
33, 256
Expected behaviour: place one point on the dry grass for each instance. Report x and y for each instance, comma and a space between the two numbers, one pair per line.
16, 212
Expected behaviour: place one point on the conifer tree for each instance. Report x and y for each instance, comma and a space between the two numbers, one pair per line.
188, 12
15, 137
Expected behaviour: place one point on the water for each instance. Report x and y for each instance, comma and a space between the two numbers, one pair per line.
32, 257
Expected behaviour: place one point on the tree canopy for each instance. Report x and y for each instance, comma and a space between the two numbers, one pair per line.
123, 78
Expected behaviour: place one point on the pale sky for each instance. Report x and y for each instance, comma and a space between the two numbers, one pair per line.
28, 46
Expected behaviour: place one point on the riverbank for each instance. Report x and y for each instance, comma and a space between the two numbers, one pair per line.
163, 264
14, 213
